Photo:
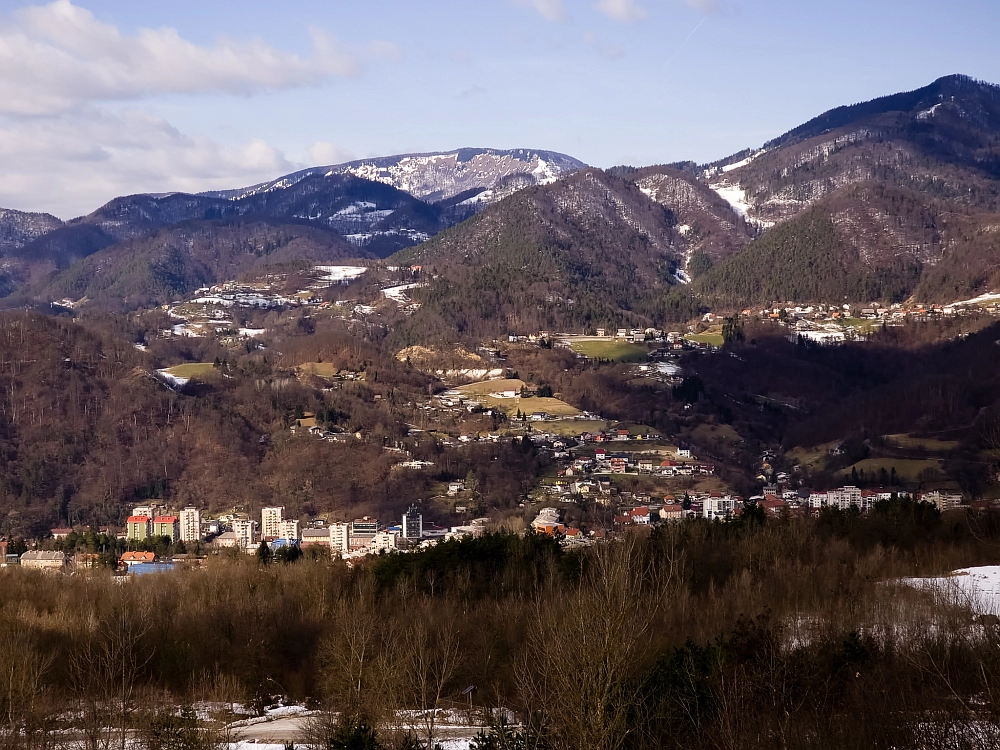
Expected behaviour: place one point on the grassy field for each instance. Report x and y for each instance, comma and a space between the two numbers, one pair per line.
907, 469
927, 444
571, 428
320, 369
480, 391
618, 351
490, 386
713, 339
193, 370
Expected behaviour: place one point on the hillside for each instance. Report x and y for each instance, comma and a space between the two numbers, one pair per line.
18, 228
588, 250
907, 183
158, 267
710, 230
941, 140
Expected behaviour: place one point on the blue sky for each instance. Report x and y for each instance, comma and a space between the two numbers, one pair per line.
99, 99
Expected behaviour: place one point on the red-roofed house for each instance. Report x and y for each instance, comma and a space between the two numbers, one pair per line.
639, 515
131, 558
773, 506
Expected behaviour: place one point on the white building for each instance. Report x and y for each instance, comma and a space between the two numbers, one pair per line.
385, 541
340, 537
289, 530
270, 519
190, 525
718, 507
413, 523
245, 531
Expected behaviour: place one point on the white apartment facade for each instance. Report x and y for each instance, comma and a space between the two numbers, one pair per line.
270, 520
340, 537
245, 531
289, 530
190, 525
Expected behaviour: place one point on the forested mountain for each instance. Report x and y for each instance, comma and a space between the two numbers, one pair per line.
710, 228
588, 250
906, 187
157, 267
18, 228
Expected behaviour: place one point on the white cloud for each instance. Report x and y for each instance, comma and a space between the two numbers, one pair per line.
322, 153
70, 164
58, 56
622, 10
550, 10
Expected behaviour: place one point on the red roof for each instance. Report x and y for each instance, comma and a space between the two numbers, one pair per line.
138, 557
165, 519
673, 508
138, 519
639, 511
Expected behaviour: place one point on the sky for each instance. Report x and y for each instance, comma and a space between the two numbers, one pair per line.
100, 98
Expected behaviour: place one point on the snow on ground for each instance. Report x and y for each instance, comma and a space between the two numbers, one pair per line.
484, 197
981, 299
977, 588
251, 332
684, 229
398, 293
172, 379
735, 196
742, 162
928, 113
340, 274
140, 347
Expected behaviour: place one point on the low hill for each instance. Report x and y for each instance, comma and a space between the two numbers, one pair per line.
158, 267
589, 250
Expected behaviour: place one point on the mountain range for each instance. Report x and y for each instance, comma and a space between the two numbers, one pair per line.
884, 200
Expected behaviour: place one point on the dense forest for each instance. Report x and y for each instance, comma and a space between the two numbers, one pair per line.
757, 633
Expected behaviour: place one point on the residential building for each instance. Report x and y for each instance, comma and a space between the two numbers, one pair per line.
289, 530
340, 537
225, 539
190, 525
169, 526
42, 560
385, 541
716, 506
138, 527
312, 537
413, 523
245, 531
134, 558
363, 531
941, 500
672, 512
61, 533
270, 518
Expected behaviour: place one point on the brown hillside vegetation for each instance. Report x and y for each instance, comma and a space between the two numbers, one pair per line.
759, 633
